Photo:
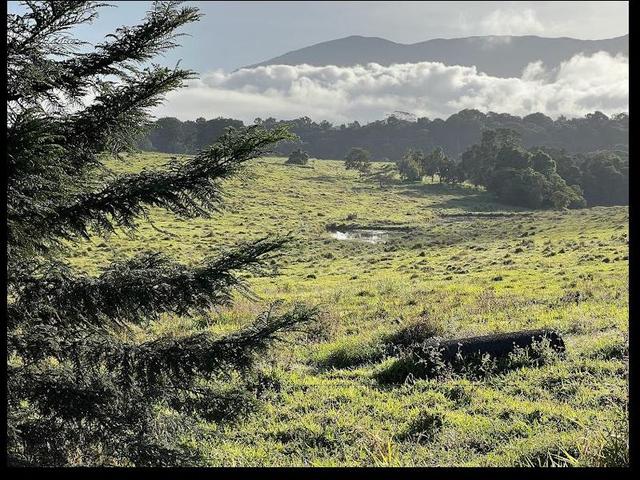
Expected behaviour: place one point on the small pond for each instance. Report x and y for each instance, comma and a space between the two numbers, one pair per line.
361, 235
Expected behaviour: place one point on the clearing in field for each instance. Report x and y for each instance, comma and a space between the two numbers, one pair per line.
385, 266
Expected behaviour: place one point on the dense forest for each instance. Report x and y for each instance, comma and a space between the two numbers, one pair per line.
390, 138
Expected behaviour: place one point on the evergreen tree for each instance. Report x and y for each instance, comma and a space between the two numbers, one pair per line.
83, 388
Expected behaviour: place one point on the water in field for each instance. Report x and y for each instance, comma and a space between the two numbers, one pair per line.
361, 235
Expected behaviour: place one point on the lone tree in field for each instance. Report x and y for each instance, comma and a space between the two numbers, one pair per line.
82, 387
358, 159
298, 157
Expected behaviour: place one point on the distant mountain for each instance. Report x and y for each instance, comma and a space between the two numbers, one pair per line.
501, 56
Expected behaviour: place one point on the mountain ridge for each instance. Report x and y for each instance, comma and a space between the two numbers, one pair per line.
496, 55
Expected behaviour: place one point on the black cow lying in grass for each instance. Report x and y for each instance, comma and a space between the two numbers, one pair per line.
474, 356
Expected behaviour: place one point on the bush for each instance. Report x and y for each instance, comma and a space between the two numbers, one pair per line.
358, 159
425, 360
297, 157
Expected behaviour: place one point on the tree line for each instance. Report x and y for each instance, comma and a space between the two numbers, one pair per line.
538, 177
391, 137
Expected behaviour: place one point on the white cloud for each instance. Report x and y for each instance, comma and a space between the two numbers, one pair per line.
365, 93
512, 22
588, 20
535, 71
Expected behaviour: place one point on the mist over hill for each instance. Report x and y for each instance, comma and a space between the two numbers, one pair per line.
501, 56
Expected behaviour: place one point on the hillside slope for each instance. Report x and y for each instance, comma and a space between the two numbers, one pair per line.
502, 56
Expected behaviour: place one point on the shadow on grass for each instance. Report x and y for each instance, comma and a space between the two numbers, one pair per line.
463, 196
420, 189
325, 179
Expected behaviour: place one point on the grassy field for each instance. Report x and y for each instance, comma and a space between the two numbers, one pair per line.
445, 265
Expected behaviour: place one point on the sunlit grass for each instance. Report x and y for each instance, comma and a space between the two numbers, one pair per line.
468, 274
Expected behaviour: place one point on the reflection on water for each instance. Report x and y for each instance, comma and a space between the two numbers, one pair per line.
362, 235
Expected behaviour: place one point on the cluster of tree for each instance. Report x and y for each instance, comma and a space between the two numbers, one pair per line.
415, 164
297, 157
603, 176
391, 137
82, 387
540, 177
544, 177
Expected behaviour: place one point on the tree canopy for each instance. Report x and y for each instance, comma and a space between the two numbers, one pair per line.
392, 137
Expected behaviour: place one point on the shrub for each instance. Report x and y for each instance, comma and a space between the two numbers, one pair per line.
297, 157
358, 159
425, 360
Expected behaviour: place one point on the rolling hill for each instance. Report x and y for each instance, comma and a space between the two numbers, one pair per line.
502, 56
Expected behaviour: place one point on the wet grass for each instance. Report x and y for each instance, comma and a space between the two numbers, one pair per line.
453, 272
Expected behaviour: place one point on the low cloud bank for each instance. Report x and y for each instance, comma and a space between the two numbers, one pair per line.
370, 92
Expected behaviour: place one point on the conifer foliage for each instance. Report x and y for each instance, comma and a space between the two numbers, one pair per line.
82, 388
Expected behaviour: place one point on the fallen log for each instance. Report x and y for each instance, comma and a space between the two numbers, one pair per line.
434, 357
498, 345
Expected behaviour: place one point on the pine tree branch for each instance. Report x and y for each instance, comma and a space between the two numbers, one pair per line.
118, 116
187, 189
151, 368
58, 392
206, 354
112, 123
45, 25
125, 48
136, 290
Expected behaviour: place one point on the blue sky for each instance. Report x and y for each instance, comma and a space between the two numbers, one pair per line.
234, 34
